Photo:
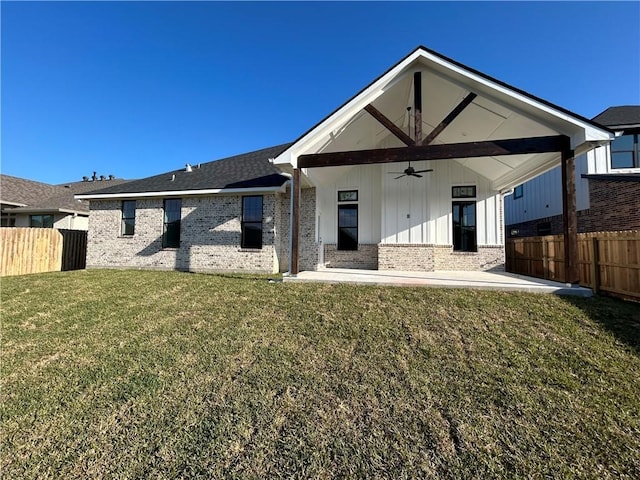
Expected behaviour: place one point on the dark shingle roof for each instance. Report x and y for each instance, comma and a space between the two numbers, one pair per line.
619, 116
247, 170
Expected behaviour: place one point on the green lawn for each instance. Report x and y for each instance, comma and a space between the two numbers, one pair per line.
130, 374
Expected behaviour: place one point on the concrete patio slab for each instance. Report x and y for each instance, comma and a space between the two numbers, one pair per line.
448, 279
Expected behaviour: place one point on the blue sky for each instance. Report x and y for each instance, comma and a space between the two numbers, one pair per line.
134, 89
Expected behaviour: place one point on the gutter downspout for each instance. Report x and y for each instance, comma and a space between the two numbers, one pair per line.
291, 185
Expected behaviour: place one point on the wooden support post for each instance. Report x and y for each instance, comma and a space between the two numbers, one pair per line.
569, 218
417, 106
295, 226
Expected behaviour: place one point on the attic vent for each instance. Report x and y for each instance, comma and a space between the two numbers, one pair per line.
187, 168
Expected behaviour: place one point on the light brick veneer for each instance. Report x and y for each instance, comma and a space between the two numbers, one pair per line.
366, 257
209, 240
429, 258
308, 253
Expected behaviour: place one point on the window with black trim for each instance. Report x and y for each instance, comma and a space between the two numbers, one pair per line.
128, 225
464, 227
463, 191
347, 220
252, 221
625, 152
517, 192
171, 228
41, 221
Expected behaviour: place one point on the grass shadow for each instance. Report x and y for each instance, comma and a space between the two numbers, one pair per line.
619, 317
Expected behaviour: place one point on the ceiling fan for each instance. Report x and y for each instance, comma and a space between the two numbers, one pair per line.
410, 171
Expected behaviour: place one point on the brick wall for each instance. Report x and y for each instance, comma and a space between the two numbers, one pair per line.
209, 241
429, 258
309, 249
406, 257
614, 205
366, 257
487, 258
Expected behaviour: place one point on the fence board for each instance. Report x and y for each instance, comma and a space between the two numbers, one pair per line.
607, 261
74, 249
30, 250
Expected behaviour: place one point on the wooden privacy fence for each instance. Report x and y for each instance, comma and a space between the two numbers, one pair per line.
30, 250
36, 250
74, 249
608, 262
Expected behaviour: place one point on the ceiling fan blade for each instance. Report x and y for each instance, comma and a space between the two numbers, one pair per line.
395, 173
403, 175
414, 174
422, 171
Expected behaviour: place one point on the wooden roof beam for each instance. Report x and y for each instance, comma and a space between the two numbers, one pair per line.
489, 148
389, 125
449, 118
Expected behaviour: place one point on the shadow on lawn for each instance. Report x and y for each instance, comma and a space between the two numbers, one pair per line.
622, 318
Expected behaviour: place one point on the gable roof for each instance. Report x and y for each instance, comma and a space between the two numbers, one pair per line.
513, 112
28, 196
248, 171
621, 116
424, 49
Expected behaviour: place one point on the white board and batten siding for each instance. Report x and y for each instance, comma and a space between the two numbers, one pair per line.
407, 210
366, 180
542, 196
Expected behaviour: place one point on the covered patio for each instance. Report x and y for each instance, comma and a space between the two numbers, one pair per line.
412, 171
507, 282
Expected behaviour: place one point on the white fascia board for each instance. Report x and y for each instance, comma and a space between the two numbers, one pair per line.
13, 204
183, 193
344, 113
623, 127
28, 210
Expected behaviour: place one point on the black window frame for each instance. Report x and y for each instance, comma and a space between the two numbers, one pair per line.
171, 225
347, 192
44, 225
128, 218
458, 192
346, 241
459, 234
250, 239
635, 151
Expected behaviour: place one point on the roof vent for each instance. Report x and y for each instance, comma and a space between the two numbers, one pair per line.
173, 177
187, 168
85, 179
111, 177
101, 178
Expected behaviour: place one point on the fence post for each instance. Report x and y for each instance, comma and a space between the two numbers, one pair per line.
545, 259
595, 269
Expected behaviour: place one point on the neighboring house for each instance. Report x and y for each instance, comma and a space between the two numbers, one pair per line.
26, 203
409, 174
607, 186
